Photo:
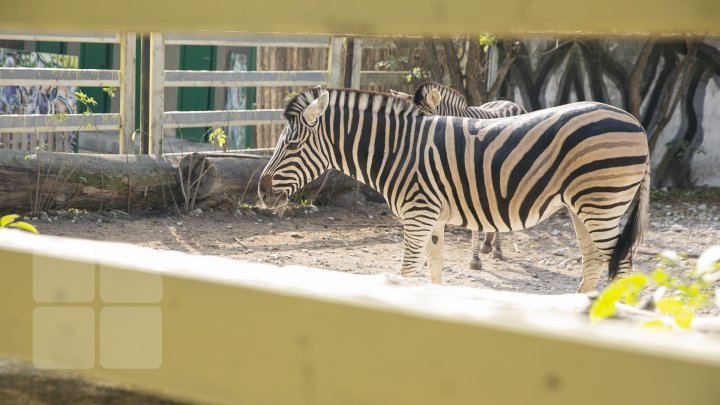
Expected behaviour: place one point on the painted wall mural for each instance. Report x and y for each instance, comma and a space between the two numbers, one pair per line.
38, 99
687, 147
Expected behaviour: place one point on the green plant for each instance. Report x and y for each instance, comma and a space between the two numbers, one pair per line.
417, 73
304, 202
219, 137
486, 41
9, 221
289, 96
679, 298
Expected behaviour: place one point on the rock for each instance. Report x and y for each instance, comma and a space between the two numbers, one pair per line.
228, 227
179, 223
702, 207
331, 218
370, 216
311, 209
296, 235
99, 221
559, 252
34, 218
197, 212
63, 214
554, 232
676, 228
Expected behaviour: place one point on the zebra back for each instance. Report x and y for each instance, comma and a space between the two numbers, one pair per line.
436, 99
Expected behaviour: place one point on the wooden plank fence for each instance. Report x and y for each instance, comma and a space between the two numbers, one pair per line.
23, 131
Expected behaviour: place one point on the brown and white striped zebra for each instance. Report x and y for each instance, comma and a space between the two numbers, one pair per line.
495, 175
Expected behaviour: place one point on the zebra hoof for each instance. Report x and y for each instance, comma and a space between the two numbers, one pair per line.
485, 249
497, 255
475, 265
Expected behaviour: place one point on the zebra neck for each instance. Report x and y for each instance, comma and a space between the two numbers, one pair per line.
368, 137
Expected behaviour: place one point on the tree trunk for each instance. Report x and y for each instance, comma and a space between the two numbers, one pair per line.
475, 72
511, 54
636, 77
89, 181
453, 66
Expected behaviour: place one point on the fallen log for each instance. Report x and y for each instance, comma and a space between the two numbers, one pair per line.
47, 180
237, 174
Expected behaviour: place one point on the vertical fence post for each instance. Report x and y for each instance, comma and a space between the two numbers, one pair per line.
335, 59
127, 92
157, 91
356, 63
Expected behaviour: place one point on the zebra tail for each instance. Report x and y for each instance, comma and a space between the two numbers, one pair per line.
635, 226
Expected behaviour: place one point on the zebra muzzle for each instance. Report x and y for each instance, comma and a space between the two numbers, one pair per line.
270, 197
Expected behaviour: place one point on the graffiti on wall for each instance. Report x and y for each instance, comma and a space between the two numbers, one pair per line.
37, 99
549, 73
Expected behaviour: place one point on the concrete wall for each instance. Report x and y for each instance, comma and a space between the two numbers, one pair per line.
549, 73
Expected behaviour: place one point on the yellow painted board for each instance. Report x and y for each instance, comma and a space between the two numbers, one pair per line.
369, 17
237, 332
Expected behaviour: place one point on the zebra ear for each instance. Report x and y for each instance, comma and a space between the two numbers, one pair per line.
400, 95
433, 99
316, 108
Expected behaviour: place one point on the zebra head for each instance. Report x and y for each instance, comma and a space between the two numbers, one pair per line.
298, 157
428, 97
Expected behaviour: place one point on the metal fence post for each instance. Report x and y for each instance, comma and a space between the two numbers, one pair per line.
157, 91
127, 92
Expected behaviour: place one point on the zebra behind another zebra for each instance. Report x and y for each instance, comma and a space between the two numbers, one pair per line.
497, 175
437, 99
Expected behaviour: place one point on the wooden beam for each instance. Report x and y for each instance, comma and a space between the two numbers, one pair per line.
355, 81
20, 76
190, 119
127, 92
380, 78
102, 38
157, 92
50, 123
222, 331
336, 55
552, 17
249, 39
207, 78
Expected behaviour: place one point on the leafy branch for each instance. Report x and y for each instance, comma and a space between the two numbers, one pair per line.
672, 297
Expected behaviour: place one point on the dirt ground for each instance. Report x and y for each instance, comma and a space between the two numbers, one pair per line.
364, 238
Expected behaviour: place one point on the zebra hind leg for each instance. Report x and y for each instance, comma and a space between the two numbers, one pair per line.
592, 259
475, 262
495, 242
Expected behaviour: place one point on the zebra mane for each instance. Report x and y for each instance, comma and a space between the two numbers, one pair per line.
365, 99
423, 89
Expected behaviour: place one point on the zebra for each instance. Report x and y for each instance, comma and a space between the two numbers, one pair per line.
498, 175
437, 99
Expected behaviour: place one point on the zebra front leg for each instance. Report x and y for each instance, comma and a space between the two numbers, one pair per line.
475, 262
435, 248
416, 236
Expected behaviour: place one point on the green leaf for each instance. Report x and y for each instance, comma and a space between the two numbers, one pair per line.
602, 309
655, 324
669, 305
4, 221
24, 226
660, 277
684, 318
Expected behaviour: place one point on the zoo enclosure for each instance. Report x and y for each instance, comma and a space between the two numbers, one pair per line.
344, 68
14, 128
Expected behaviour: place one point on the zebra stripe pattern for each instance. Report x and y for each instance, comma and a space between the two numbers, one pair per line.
495, 175
436, 99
